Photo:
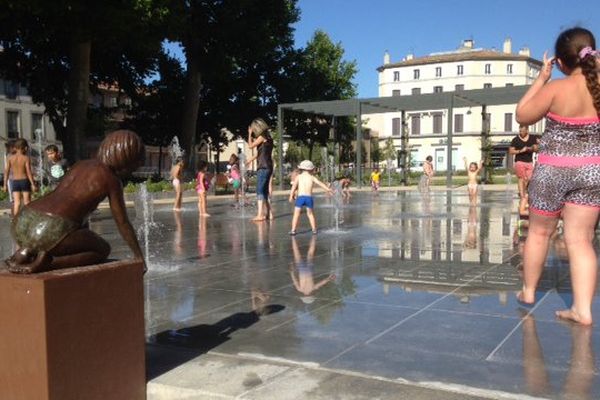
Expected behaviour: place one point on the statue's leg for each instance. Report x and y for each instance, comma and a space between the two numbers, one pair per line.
21, 263
81, 247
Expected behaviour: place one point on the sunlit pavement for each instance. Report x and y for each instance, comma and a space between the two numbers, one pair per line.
413, 297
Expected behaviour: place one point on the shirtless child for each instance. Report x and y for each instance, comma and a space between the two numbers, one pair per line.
51, 232
473, 173
304, 185
22, 183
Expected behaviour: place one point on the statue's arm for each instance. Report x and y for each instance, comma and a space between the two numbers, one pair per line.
119, 212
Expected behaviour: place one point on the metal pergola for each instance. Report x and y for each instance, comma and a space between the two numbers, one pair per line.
403, 104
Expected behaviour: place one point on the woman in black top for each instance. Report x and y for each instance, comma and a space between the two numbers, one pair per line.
258, 136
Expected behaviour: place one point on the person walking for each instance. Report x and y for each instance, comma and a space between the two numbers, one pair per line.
522, 147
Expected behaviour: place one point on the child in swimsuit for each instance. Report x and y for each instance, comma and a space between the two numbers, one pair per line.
566, 180
202, 186
22, 183
176, 175
375, 177
235, 178
304, 183
473, 173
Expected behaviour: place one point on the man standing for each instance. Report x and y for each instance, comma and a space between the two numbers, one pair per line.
523, 146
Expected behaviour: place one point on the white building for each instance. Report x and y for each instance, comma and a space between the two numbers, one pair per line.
21, 118
463, 69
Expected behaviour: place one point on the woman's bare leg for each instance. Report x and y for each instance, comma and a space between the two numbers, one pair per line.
541, 228
579, 229
259, 211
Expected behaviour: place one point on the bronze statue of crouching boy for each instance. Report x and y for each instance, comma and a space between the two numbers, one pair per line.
51, 232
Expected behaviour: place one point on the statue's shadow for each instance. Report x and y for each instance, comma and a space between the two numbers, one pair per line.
171, 348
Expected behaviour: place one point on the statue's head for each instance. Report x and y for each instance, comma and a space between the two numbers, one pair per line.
123, 151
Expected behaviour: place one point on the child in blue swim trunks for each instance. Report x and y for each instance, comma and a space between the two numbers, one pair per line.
303, 184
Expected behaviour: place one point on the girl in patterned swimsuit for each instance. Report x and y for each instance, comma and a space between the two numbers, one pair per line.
566, 180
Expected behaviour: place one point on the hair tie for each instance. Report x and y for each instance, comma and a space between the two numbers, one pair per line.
587, 51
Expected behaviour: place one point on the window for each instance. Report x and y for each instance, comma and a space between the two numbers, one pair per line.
459, 70
12, 124
112, 101
459, 88
438, 89
37, 126
458, 123
396, 92
509, 85
488, 69
487, 85
508, 119
416, 90
11, 90
437, 123
509, 70
438, 72
416, 74
396, 76
396, 123
415, 124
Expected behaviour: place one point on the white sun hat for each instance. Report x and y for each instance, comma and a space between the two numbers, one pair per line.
306, 165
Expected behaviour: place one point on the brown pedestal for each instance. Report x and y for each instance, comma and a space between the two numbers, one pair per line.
73, 334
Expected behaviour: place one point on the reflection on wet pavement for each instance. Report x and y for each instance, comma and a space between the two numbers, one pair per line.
420, 288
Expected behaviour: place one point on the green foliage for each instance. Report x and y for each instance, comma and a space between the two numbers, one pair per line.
320, 73
42, 39
389, 151
376, 152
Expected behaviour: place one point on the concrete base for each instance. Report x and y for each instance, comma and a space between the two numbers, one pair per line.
73, 334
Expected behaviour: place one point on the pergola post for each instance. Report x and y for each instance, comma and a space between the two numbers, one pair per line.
484, 143
449, 143
404, 148
280, 145
358, 144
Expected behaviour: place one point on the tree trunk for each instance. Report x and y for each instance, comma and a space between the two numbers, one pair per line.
79, 80
191, 104
160, 166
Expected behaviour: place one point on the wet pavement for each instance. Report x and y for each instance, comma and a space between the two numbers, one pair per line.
411, 289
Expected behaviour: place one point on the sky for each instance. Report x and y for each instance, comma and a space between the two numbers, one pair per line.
367, 28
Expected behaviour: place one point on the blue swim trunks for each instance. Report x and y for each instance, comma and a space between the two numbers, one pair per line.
304, 201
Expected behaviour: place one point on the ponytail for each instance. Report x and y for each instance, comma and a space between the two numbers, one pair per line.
589, 68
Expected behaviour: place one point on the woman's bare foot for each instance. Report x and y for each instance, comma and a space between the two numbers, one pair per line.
258, 219
574, 316
176, 209
205, 215
526, 297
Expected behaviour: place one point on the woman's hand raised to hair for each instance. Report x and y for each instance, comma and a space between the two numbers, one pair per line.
546, 71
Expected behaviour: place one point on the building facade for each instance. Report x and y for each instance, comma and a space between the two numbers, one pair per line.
463, 69
20, 117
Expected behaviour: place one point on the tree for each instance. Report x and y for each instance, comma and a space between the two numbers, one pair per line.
320, 74
235, 53
389, 151
156, 114
56, 49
